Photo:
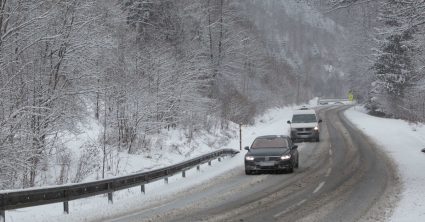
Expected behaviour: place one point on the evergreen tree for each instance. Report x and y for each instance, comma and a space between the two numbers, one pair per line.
394, 66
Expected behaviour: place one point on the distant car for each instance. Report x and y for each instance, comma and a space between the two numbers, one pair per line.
305, 125
271, 153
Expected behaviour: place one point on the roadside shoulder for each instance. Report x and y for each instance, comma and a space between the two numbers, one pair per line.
403, 143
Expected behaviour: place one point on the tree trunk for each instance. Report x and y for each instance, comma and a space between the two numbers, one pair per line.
210, 32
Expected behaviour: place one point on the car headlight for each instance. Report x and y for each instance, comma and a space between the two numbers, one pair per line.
316, 128
285, 157
250, 158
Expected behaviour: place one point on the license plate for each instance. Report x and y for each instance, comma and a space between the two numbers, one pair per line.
267, 163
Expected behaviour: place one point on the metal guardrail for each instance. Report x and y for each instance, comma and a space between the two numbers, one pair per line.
40, 196
324, 101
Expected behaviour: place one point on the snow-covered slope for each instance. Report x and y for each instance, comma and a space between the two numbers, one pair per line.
308, 41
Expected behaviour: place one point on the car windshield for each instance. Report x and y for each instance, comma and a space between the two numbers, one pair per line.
277, 142
304, 118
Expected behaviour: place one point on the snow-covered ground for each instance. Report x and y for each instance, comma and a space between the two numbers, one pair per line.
403, 142
169, 147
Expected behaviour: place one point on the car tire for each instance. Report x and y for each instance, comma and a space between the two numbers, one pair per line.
296, 164
291, 169
248, 172
318, 139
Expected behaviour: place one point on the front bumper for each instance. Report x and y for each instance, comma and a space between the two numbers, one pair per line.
268, 165
304, 133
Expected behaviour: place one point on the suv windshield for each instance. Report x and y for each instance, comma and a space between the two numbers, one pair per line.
277, 142
304, 118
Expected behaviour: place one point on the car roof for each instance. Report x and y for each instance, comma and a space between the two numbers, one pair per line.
305, 111
271, 141
272, 136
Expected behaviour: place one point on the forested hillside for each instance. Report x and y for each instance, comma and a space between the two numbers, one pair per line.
136, 67
386, 59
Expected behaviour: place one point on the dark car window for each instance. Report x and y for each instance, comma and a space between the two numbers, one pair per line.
277, 142
304, 118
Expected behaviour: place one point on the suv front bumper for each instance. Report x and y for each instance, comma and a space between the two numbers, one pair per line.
304, 133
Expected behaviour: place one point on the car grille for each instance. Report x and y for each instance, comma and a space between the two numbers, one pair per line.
304, 129
305, 134
267, 158
268, 167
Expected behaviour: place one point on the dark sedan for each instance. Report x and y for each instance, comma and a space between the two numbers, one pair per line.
271, 153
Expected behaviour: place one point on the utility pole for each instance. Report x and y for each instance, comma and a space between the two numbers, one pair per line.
240, 136
423, 106
298, 89
423, 109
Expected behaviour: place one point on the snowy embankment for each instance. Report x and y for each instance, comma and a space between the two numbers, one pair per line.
403, 142
127, 201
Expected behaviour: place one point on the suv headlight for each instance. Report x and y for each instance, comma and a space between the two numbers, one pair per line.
316, 128
285, 157
249, 158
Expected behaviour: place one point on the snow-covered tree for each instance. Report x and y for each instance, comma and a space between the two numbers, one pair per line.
396, 69
137, 68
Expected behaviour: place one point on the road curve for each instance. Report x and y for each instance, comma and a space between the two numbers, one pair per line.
342, 178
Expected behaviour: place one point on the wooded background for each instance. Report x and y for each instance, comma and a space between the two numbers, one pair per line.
137, 67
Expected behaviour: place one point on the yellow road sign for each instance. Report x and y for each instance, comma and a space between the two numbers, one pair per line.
350, 96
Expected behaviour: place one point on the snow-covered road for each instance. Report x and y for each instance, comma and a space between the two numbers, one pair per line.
402, 141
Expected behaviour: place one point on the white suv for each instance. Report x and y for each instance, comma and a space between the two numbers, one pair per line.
305, 125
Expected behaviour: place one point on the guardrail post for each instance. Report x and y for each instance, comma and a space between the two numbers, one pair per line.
198, 168
166, 180
110, 198
142, 188
66, 207
65, 203
183, 173
2, 216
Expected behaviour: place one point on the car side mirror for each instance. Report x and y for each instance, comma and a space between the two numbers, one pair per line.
294, 147
246, 148
289, 122
319, 121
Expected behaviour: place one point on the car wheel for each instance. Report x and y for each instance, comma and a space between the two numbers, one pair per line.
318, 139
291, 169
296, 164
248, 172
